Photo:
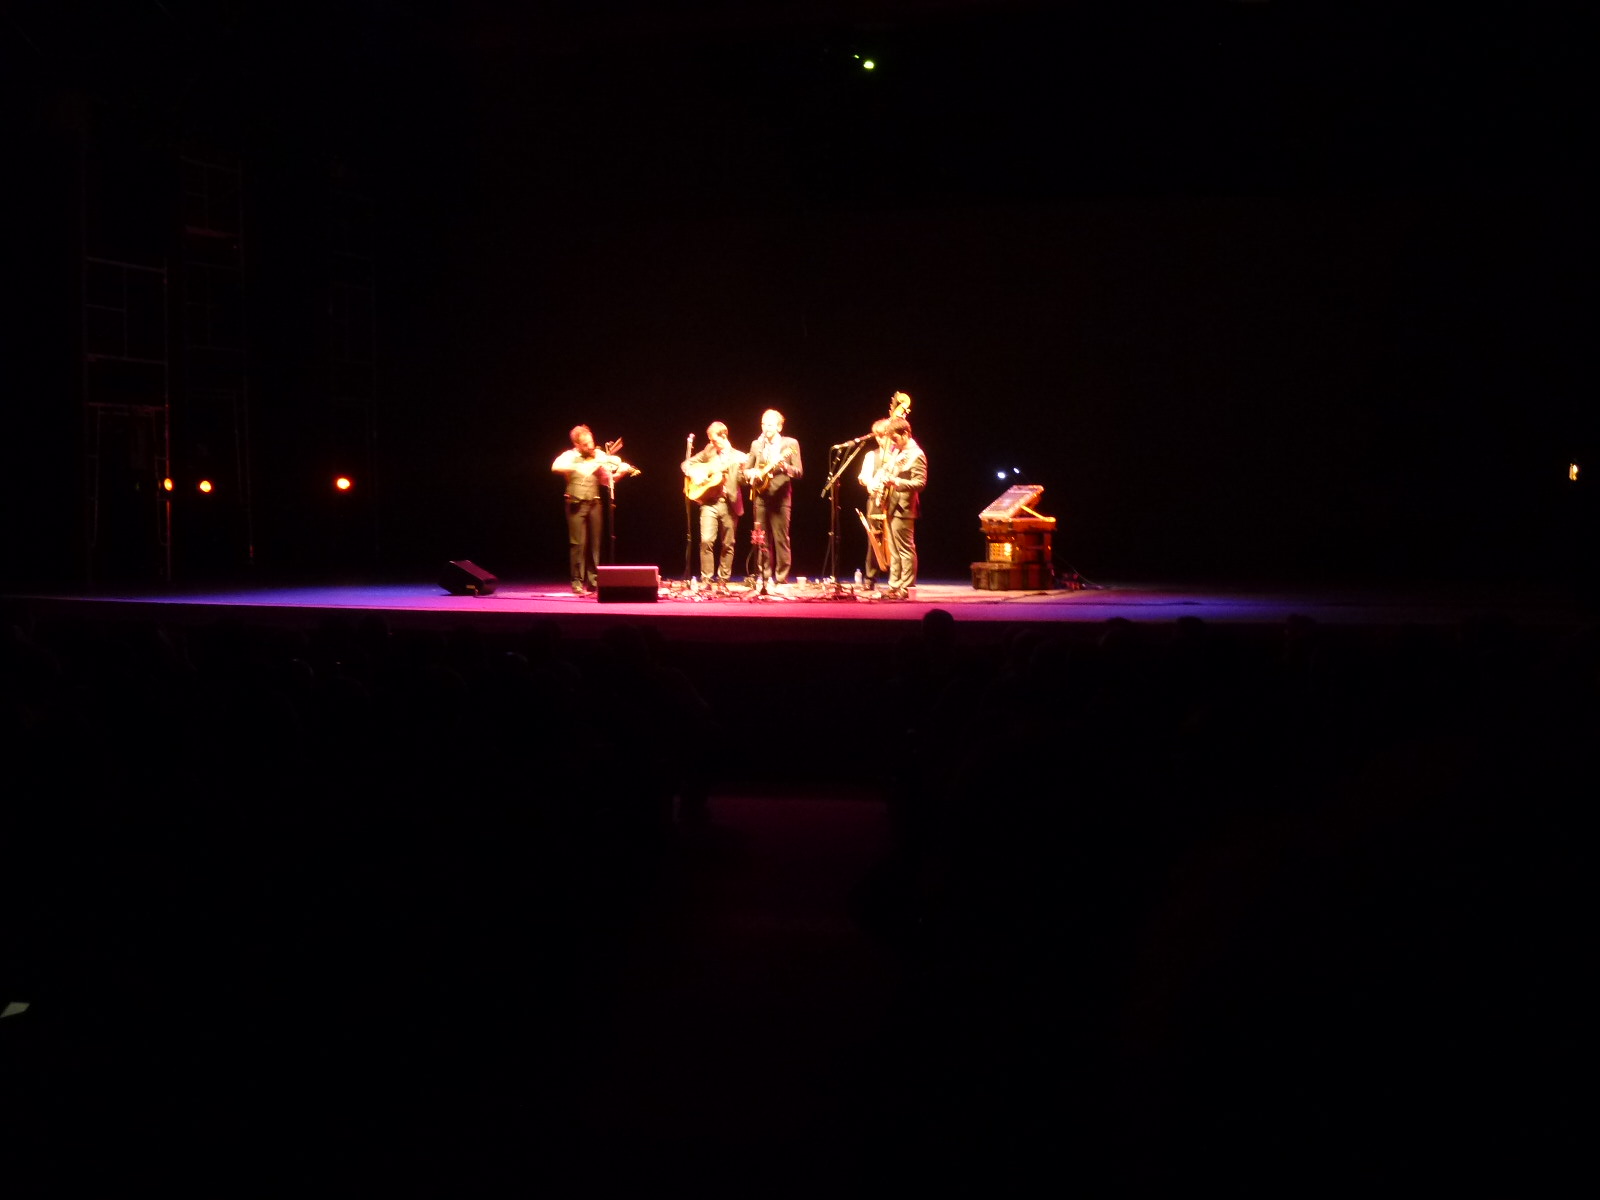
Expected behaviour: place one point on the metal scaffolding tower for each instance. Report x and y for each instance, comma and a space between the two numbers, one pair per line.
352, 357
127, 427
213, 418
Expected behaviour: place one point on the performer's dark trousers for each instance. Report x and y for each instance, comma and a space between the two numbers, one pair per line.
584, 524
902, 550
717, 522
772, 514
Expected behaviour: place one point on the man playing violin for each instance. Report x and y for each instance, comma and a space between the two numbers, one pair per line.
770, 469
711, 480
588, 472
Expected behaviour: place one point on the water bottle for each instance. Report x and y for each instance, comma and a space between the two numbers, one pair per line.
858, 577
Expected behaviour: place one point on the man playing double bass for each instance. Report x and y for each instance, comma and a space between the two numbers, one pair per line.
877, 535
711, 480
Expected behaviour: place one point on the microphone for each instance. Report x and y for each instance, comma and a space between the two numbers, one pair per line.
865, 437
691, 441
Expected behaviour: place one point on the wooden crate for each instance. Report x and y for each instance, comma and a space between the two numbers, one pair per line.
1020, 548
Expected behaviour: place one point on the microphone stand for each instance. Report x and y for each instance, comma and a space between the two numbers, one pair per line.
688, 523
831, 490
611, 518
611, 514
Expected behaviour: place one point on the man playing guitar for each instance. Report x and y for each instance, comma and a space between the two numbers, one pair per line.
872, 476
711, 480
902, 477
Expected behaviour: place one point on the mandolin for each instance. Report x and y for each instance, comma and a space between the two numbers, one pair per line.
762, 479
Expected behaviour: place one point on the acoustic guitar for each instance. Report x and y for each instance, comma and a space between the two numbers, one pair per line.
704, 482
876, 539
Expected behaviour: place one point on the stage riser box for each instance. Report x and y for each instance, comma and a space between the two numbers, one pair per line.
1010, 577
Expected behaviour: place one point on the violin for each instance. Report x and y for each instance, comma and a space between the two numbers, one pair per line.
608, 457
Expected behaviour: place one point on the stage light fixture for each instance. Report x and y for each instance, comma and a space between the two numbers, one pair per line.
1572, 472
166, 484
343, 483
204, 486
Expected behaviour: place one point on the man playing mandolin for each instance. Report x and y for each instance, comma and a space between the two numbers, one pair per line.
770, 469
711, 480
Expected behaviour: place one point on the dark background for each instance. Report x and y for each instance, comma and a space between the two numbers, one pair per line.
1255, 291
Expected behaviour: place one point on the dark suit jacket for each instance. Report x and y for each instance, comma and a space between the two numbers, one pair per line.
903, 496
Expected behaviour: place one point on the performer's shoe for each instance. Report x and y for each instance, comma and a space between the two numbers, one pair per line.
577, 588
895, 594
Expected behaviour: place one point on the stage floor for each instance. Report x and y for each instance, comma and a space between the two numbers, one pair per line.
816, 609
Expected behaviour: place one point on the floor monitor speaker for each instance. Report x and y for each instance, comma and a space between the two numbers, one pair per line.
465, 578
629, 585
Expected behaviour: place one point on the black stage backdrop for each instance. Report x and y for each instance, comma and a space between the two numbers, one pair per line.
1252, 293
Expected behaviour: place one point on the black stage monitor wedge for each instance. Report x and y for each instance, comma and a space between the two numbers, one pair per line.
629, 585
466, 578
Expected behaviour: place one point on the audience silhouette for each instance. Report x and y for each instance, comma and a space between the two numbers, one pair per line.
1281, 906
